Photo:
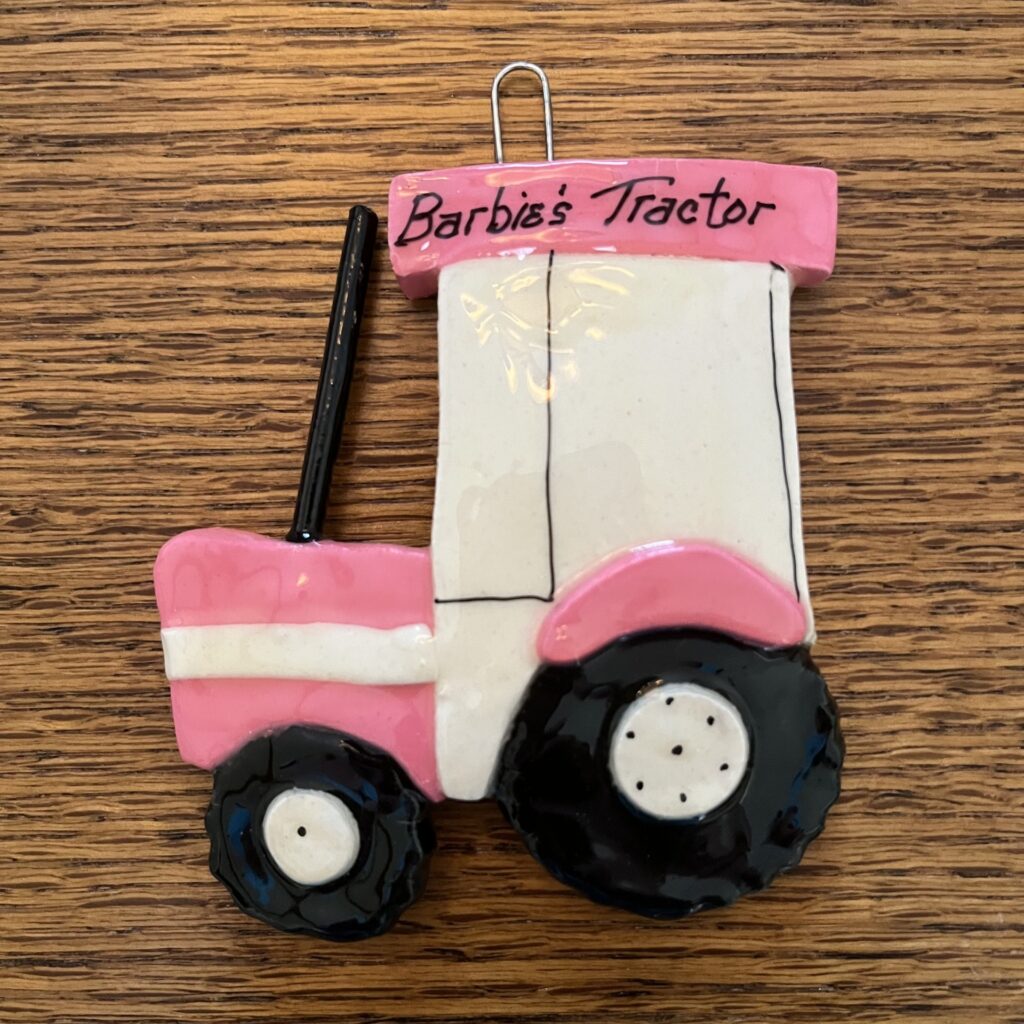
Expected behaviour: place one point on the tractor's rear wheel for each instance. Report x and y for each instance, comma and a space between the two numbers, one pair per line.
672, 771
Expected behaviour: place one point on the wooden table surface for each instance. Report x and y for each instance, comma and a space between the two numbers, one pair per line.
173, 181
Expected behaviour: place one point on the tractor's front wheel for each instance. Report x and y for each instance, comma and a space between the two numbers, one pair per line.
672, 771
314, 832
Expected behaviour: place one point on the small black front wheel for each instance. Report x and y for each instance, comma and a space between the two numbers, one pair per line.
317, 833
672, 771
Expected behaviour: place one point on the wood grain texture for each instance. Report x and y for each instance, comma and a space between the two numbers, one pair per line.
173, 180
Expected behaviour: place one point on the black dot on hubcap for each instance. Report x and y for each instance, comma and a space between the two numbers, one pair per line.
677, 749
301, 830
682, 797
630, 735
639, 785
711, 719
723, 767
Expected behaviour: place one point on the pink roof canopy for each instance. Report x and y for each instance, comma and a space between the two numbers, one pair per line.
714, 209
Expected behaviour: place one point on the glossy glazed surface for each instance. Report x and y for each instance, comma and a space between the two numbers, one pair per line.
592, 409
335, 384
396, 839
712, 209
311, 835
214, 717
329, 651
664, 585
556, 787
262, 634
678, 750
217, 576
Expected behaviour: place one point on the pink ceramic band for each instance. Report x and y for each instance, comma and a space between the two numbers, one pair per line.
215, 717
715, 209
216, 577
666, 585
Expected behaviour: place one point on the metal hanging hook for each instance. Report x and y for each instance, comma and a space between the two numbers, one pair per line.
549, 130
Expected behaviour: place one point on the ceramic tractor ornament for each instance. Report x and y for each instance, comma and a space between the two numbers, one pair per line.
609, 633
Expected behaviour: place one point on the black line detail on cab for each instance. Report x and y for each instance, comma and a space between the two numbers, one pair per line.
782, 433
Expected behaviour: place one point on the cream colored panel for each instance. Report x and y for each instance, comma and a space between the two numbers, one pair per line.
669, 384
326, 651
664, 420
486, 658
490, 533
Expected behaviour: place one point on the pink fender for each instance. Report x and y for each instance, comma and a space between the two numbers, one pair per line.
671, 585
217, 577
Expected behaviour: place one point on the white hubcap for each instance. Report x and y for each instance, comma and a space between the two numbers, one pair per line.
679, 751
311, 835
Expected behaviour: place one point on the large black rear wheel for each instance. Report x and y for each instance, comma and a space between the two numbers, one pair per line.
672, 771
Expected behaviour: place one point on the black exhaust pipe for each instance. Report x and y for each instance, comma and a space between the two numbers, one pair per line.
332, 392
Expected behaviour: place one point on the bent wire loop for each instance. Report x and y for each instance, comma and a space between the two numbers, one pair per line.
522, 65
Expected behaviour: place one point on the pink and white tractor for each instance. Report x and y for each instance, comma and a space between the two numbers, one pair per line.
609, 632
